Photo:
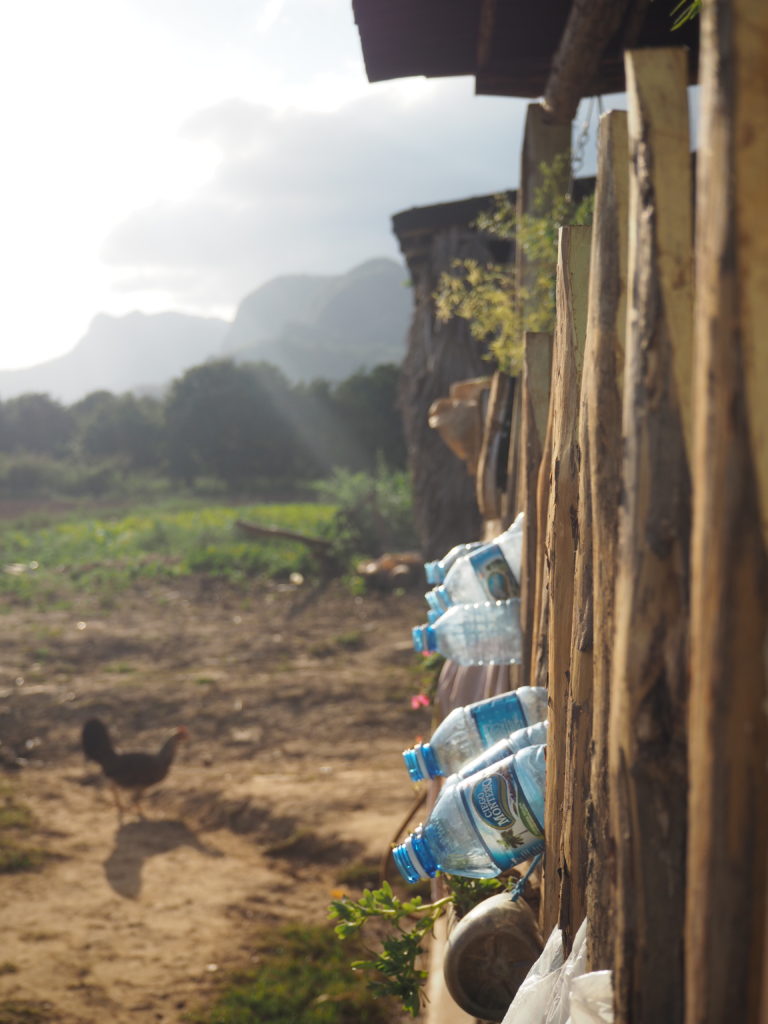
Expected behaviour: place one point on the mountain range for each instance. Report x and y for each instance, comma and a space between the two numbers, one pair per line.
309, 326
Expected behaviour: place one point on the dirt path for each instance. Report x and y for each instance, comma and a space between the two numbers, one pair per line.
297, 708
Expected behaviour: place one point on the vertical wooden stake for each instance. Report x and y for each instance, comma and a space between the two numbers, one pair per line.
647, 735
725, 940
537, 377
561, 526
602, 386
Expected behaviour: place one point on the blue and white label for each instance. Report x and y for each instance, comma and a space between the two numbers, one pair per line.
497, 717
502, 815
494, 573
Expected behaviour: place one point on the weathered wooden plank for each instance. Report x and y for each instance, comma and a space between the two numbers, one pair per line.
647, 734
725, 940
578, 724
560, 537
537, 377
602, 387
495, 438
543, 142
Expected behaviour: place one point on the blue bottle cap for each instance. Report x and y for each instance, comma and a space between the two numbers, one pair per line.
421, 853
429, 572
442, 597
413, 764
429, 761
429, 639
405, 865
419, 640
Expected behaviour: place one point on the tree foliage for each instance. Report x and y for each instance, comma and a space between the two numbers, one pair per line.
485, 294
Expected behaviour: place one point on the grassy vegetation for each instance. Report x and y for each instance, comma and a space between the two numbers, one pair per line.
17, 851
45, 562
302, 976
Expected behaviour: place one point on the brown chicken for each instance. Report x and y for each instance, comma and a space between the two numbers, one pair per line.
132, 771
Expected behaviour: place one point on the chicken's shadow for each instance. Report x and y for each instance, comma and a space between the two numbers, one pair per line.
137, 841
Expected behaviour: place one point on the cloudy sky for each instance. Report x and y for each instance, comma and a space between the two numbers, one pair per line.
175, 154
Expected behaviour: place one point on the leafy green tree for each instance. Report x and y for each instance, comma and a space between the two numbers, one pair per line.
228, 421
367, 404
121, 426
37, 423
485, 294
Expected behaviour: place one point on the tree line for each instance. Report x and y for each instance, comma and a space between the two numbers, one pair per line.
240, 424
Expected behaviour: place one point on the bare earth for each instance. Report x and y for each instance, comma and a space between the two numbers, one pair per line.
298, 708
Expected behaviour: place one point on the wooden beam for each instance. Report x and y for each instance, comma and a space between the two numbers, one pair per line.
602, 385
560, 536
589, 28
647, 734
725, 940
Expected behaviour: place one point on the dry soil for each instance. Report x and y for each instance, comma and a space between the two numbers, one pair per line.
297, 704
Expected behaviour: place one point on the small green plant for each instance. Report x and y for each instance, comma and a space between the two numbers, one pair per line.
486, 294
684, 12
395, 967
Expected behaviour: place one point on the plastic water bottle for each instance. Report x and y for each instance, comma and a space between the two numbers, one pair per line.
484, 825
490, 572
531, 736
434, 603
436, 571
469, 731
474, 634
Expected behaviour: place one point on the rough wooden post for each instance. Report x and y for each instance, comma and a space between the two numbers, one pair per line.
578, 717
560, 538
537, 377
492, 460
602, 386
543, 142
725, 940
647, 735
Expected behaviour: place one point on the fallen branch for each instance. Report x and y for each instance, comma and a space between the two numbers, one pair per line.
322, 547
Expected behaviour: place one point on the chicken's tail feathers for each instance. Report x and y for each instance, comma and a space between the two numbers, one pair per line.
97, 745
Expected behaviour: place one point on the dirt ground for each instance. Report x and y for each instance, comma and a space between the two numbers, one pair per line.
297, 706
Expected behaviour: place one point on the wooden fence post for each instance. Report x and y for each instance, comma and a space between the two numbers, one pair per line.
560, 539
647, 734
725, 940
602, 386
536, 380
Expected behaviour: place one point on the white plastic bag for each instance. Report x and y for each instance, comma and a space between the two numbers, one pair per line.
530, 1003
557, 992
592, 999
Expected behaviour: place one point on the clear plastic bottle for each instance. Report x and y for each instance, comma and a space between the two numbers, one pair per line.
483, 825
531, 736
469, 731
490, 572
434, 602
436, 571
486, 633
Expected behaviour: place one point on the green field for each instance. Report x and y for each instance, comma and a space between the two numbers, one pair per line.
44, 563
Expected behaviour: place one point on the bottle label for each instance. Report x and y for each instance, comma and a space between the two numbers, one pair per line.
494, 573
503, 817
496, 719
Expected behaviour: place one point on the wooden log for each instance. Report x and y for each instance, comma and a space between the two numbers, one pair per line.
560, 536
602, 387
587, 32
725, 939
536, 380
647, 734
